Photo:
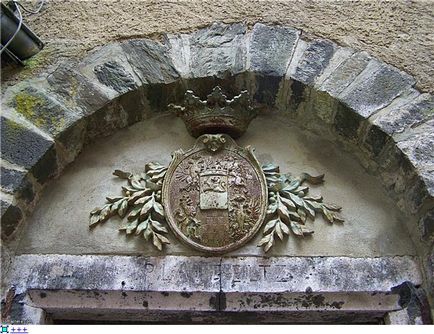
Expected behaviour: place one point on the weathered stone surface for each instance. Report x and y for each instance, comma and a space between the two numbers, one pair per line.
418, 145
340, 56
114, 75
26, 148
15, 182
75, 90
109, 70
218, 50
179, 53
379, 127
415, 302
150, 60
376, 86
11, 216
414, 112
271, 49
345, 74
313, 62
317, 274
161, 274
213, 274
40, 108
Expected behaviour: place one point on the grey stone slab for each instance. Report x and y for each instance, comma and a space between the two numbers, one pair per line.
179, 53
345, 74
114, 75
398, 119
217, 50
108, 69
376, 87
340, 56
75, 90
22, 146
159, 274
314, 61
271, 49
150, 60
11, 216
317, 274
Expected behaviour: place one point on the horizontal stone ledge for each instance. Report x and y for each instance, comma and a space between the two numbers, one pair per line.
197, 301
212, 274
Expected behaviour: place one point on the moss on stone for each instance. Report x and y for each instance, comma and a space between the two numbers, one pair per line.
25, 104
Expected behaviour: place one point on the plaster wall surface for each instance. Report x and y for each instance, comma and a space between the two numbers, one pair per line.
59, 225
397, 32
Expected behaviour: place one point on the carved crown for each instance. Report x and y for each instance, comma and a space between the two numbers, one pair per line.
216, 114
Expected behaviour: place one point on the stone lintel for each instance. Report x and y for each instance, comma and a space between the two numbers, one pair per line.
213, 274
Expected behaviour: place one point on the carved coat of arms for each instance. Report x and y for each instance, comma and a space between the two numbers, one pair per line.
215, 196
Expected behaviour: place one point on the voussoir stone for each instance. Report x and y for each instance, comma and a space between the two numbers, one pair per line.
418, 145
376, 87
397, 120
31, 101
313, 62
271, 49
150, 60
24, 147
108, 69
217, 50
75, 90
345, 73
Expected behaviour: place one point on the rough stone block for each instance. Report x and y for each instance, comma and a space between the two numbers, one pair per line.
340, 56
150, 60
75, 90
345, 74
217, 50
15, 182
179, 53
418, 146
108, 69
40, 108
22, 146
271, 49
313, 62
405, 116
376, 87
11, 216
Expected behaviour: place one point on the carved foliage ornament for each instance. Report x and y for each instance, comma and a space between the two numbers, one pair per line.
214, 198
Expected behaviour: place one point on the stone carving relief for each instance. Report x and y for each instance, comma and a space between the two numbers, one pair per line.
215, 196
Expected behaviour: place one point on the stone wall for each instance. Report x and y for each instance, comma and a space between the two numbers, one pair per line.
370, 108
397, 32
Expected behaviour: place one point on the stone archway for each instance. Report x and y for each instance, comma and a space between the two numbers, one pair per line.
368, 107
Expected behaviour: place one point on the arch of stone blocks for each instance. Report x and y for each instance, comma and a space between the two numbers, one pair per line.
370, 108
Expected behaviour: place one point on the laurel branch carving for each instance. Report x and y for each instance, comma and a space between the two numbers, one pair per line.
289, 207
142, 201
